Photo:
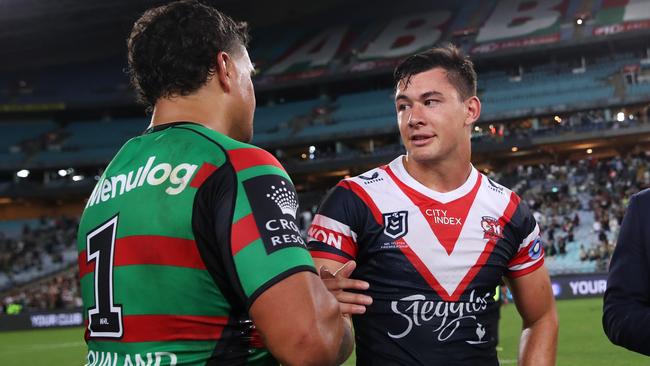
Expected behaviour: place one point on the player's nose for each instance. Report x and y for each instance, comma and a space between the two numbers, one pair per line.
415, 116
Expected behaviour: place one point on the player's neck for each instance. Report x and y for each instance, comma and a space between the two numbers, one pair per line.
440, 176
195, 108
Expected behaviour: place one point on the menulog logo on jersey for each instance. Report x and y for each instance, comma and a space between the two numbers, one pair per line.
110, 187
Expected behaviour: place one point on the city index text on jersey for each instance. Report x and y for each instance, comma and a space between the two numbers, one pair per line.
109, 187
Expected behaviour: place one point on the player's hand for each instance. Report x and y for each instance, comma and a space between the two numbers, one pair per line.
340, 281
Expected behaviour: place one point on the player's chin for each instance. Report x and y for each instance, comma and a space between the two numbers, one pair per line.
422, 155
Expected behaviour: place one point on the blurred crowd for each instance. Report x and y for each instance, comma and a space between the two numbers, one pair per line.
579, 207
60, 291
49, 238
558, 193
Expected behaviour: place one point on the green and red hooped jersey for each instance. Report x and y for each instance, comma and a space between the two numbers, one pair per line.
185, 228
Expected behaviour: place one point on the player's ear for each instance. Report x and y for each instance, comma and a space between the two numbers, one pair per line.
473, 107
223, 70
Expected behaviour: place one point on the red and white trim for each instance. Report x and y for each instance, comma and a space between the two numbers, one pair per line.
335, 226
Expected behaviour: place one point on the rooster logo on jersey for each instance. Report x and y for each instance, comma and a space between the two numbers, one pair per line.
491, 228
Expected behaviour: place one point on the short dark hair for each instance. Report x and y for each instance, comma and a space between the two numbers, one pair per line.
172, 49
460, 69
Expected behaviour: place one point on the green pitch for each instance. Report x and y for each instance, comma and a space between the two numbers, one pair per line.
582, 341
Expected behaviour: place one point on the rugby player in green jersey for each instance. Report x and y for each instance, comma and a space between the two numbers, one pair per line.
189, 252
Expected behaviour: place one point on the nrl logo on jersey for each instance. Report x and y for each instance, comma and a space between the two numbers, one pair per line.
491, 228
374, 178
396, 224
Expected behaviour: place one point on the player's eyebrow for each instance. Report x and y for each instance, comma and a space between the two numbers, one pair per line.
401, 97
430, 94
424, 95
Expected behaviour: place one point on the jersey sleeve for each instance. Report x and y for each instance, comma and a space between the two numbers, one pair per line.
257, 240
529, 253
333, 232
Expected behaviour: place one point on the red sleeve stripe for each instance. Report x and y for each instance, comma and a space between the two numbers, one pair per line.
524, 265
243, 233
326, 255
149, 249
522, 256
525, 271
333, 239
160, 328
330, 223
204, 172
251, 156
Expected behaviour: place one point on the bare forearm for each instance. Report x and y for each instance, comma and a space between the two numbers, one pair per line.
347, 341
538, 344
302, 328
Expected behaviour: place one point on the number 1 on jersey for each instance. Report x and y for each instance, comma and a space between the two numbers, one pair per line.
105, 318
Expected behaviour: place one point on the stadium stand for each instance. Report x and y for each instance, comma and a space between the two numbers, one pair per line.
38, 250
550, 91
60, 291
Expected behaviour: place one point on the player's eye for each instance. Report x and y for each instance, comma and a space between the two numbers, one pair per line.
402, 107
431, 102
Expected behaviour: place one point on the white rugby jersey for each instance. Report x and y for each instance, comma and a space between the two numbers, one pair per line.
433, 261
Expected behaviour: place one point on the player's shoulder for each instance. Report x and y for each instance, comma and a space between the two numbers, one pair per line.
241, 155
513, 206
245, 156
497, 189
371, 177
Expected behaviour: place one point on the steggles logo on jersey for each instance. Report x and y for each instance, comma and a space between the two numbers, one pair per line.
374, 178
491, 228
110, 187
445, 317
285, 199
396, 224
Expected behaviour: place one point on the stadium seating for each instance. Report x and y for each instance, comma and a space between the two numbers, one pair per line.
274, 117
550, 86
570, 262
14, 228
15, 132
47, 247
363, 106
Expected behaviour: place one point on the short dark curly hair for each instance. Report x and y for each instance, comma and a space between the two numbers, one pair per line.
172, 49
460, 69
